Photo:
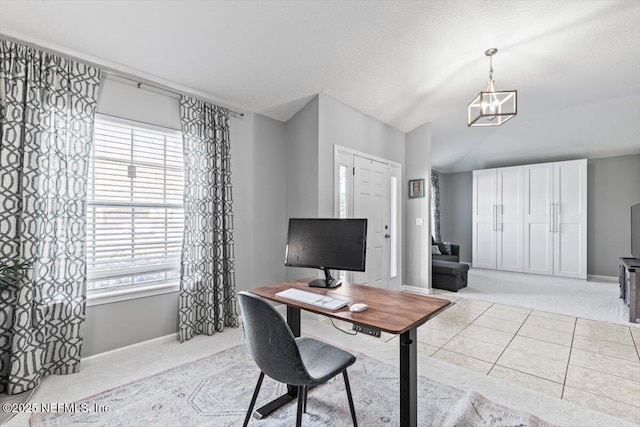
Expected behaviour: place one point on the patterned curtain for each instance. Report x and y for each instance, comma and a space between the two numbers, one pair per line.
435, 206
207, 277
47, 106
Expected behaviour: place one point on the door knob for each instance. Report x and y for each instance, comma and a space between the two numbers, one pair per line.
386, 236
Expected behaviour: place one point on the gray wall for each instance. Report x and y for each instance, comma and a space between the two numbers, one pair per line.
269, 212
121, 98
258, 162
302, 173
115, 325
302, 162
456, 209
242, 176
417, 238
342, 125
613, 187
311, 136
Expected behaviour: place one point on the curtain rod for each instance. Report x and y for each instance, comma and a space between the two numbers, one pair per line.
107, 69
139, 84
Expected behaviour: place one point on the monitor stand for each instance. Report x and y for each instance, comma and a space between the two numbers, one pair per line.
327, 282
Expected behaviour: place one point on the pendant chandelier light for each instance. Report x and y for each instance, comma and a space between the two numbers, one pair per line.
492, 107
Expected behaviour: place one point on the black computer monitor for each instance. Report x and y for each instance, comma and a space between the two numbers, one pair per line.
327, 243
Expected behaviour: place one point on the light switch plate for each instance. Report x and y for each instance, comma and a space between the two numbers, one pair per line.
419, 221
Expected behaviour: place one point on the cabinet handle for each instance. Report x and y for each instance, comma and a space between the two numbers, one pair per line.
557, 217
493, 217
501, 213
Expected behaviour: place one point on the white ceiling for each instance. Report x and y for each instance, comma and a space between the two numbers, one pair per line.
575, 64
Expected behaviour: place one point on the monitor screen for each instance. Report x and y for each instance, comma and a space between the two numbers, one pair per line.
327, 243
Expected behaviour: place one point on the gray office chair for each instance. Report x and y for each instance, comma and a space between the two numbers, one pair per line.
301, 362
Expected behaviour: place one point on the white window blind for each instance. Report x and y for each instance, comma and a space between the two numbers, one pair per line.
134, 208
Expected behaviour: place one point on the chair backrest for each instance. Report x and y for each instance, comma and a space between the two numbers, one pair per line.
270, 341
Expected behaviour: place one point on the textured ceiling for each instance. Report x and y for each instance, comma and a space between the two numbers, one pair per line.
575, 64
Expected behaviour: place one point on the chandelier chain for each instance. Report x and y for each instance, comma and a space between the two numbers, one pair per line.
490, 67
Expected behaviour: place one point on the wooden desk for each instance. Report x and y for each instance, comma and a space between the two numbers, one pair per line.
395, 312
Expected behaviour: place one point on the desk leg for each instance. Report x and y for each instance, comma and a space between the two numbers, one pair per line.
409, 378
293, 319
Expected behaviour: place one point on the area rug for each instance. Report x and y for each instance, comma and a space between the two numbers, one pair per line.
216, 390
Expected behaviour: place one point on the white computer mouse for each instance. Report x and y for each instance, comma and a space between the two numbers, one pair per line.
358, 307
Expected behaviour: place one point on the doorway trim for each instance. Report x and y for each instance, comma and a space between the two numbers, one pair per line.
395, 282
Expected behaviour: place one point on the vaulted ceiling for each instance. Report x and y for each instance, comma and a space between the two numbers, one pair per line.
575, 64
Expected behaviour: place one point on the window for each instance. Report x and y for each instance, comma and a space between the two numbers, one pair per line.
134, 208
344, 182
342, 173
393, 252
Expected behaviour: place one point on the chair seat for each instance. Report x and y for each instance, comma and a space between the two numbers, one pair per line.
323, 361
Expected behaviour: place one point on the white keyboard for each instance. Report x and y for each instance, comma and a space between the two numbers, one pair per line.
313, 299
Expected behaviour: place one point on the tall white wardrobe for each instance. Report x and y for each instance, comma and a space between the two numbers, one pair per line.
532, 218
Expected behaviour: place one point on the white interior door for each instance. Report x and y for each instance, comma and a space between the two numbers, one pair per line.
509, 219
484, 218
538, 210
371, 191
570, 219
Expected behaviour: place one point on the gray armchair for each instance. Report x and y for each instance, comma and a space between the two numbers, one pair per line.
302, 362
454, 256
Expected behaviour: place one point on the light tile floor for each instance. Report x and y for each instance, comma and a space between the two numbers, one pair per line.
592, 363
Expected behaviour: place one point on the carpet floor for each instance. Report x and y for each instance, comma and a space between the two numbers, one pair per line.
595, 300
216, 390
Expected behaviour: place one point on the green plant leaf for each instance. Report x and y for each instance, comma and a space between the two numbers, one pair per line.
10, 275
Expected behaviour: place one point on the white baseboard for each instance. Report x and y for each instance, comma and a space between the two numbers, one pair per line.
417, 290
158, 340
598, 278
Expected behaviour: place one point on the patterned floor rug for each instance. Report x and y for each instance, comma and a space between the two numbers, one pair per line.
216, 390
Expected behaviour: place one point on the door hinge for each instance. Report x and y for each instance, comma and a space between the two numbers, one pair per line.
354, 171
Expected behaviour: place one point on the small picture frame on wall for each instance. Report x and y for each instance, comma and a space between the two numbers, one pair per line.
416, 188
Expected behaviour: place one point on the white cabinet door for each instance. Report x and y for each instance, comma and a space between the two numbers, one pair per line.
570, 219
509, 200
538, 209
484, 218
